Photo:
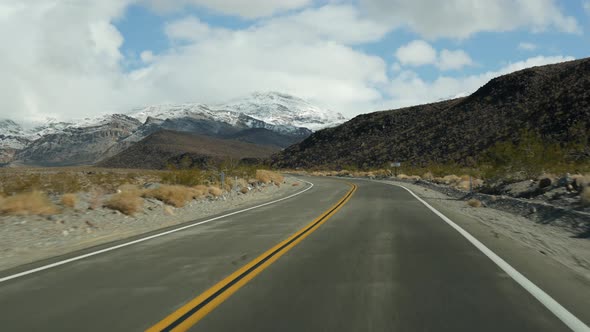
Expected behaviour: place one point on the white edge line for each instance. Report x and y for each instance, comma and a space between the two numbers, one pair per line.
98, 252
574, 323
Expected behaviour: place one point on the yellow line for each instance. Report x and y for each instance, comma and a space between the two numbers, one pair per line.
165, 324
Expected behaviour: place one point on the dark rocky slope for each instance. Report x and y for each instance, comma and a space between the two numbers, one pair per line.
552, 100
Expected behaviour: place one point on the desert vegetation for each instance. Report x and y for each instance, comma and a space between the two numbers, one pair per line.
48, 191
27, 203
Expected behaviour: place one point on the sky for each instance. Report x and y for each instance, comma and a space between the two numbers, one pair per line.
67, 59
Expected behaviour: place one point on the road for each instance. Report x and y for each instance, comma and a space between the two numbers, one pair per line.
375, 259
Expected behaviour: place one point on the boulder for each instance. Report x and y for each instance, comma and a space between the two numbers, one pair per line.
545, 182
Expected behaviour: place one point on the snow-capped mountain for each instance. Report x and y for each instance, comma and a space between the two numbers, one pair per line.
254, 119
284, 110
12, 135
285, 113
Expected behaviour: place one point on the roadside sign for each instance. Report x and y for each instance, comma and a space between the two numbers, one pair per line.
396, 165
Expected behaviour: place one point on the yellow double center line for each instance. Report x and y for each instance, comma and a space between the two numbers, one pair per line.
192, 312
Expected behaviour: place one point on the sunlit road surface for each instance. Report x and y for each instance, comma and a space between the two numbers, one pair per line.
344, 256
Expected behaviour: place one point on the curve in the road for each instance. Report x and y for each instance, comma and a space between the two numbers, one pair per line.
190, 314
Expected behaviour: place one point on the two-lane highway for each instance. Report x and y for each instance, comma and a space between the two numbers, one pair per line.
371, 258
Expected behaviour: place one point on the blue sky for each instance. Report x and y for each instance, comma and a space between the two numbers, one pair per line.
353, 56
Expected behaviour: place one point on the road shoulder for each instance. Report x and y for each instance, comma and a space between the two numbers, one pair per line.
549, 256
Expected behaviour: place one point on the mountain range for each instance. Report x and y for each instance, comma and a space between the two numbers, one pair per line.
271, 119
552, 100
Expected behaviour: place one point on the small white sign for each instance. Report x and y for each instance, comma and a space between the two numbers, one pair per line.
396, 164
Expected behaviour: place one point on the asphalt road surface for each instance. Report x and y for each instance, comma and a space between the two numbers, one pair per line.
336, 258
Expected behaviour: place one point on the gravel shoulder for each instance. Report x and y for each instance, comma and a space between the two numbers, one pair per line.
563, 244
29, 239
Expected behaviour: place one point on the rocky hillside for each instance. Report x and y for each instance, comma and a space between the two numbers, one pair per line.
552, 100
165, 147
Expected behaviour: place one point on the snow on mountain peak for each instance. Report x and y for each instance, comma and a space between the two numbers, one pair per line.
283, 110
274, 108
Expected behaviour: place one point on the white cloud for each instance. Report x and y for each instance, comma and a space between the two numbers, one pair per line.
453, 60
525, 46
416, 53
247, 9
188, 29
147, 56
339, 23
408, 88
420, 53
463, 18
65, 61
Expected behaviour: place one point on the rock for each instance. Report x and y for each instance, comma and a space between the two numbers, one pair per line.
65, 233
569, 187
533, 210
168, 210
152, 185
545, 182
564, 181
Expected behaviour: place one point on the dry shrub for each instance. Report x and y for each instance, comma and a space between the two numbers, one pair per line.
428, 176
176, 196
96, 197
474, 203
127, 202
585, 197
267, 177
452, 179
244, 190
581, 181
215, 191
202, 190
295, 184
463, 185
31, 203
69, 200
408, 177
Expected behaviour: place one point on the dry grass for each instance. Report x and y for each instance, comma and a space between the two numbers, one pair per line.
176, 196
581, 181
474, 203
428, 176
69, 200
63, 180
585, 197
408, 177
202, 190
267, 177
31, 203
127, 202
215, 191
